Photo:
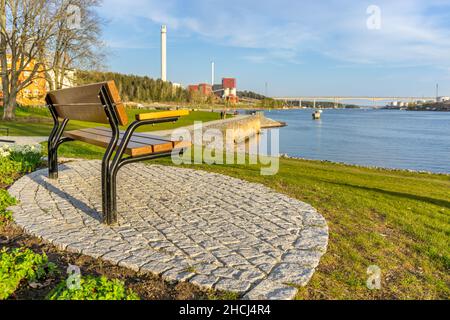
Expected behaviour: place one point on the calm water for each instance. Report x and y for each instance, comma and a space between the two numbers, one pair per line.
384, 138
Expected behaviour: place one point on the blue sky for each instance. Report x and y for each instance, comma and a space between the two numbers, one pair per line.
299, 47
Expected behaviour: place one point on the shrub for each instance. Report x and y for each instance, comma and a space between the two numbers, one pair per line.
19, 265
5, 201
93, 288
29, 156
8, 169
14, 160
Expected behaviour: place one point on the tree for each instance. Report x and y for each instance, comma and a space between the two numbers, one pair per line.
76, 42
37, 41
25, 28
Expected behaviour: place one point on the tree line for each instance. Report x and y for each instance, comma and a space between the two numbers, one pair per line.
137, 88
250, 94
270, 103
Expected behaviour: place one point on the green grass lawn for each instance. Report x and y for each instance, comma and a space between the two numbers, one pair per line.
38, 122
397, 220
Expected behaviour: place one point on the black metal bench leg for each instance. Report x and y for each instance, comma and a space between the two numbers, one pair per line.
108, 192
109, 216
52, 163
51, 146
105, 190
52, 155
54, 142
108, 188
113, 196
109, 195
109, 200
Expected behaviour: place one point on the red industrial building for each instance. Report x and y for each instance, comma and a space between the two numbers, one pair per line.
229, 83
193, 87
205, 89
227, 90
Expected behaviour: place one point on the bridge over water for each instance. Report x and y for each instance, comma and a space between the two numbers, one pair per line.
339, 99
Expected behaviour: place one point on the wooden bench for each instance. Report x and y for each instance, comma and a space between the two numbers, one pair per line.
100, 103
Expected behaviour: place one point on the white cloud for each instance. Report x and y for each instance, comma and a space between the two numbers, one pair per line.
413, 32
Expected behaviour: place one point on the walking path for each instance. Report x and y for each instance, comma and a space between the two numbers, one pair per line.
22, 139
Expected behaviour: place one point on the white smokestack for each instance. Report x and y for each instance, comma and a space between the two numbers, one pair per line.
163, 53
212, 73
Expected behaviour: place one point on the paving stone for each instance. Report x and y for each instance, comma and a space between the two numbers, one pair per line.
157, 267
291, 273
136, 260
225, 272
313, 238
251, 275
239, 286
270, 290
308, 258
178, 274
204, 281
187, 225
204, 268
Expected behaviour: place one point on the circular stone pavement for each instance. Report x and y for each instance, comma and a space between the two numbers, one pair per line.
186, 225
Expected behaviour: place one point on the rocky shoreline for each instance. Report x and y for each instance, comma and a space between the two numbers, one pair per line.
286, 156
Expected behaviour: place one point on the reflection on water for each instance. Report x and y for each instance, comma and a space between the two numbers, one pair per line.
384, 138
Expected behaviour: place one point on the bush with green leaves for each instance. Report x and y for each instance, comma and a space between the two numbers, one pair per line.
93, 288
8, 170
5, 201
19, 265
14, 160
28, 156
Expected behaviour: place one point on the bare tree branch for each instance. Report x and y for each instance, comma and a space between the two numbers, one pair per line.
37, 38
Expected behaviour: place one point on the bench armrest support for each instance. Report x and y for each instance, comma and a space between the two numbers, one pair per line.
129, 133
145, 119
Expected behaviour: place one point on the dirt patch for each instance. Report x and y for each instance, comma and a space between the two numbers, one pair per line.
147, 286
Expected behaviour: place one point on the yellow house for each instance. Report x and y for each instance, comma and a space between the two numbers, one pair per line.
34, 93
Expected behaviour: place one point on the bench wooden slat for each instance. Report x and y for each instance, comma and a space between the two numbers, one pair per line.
161, 114
138, 145
158, 145
176, 144
133, 149
83, 103
135, 134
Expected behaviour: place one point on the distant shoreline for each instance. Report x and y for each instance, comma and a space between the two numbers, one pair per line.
359, 108
435, 106
392, 169
418, 109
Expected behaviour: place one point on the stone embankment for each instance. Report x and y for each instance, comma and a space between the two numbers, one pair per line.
240, 128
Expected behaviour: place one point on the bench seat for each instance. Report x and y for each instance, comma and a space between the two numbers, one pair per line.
140, 144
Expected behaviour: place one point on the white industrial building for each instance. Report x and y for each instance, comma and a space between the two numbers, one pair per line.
443, 99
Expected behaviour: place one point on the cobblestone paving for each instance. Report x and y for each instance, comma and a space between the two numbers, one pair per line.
186, 225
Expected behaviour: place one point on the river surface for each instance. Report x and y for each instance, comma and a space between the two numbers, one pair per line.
413, 140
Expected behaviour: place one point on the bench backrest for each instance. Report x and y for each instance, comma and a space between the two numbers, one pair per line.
83, 103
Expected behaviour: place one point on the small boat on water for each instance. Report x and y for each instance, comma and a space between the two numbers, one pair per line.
317, 114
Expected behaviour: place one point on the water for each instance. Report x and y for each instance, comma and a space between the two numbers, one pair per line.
383, 138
